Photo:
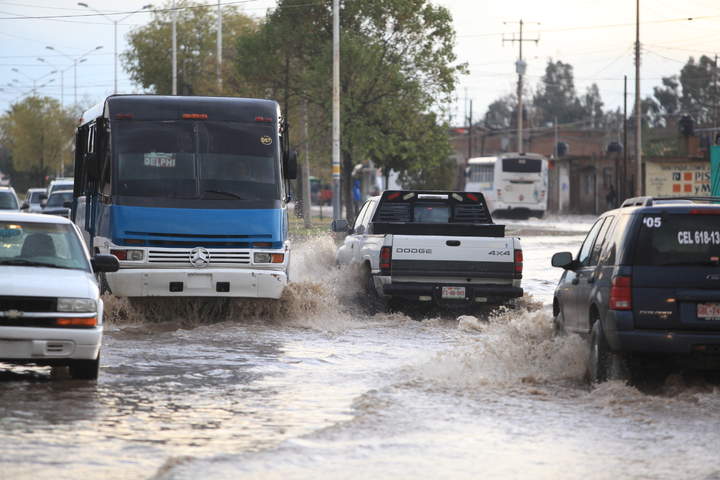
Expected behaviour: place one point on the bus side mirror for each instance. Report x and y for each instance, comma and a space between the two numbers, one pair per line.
291, 165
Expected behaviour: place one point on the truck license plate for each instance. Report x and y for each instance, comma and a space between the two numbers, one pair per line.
708, 311
453, 292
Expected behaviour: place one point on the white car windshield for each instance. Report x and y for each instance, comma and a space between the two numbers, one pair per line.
36, 244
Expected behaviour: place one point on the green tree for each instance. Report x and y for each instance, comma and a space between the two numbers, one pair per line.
397, 62
699, 88
148, 59
556, 96
592, 106
39, 135
501, 113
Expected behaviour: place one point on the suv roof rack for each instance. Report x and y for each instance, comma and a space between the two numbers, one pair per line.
650, 201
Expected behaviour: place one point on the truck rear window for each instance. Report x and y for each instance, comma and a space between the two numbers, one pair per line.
429, 213
678, 239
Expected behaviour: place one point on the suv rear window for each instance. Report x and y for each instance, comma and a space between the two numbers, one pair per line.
678, 239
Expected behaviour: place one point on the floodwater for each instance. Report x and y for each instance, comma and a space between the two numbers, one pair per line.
313, 387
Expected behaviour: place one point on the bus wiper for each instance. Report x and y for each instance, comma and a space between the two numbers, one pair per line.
28, 263
701, 263
222, 192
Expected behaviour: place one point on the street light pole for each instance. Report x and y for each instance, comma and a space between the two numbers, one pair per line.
219, 48
75, 61
336, 115
62, 79
174, 50
34, 80
115, 24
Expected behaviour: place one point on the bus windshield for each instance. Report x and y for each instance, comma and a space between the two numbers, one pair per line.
196, 160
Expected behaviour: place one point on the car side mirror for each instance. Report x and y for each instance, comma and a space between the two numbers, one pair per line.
43, 202
359, 230
562, 260
105, 263
340, 225
25, 206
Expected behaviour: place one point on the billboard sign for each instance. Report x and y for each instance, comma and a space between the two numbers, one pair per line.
668, 179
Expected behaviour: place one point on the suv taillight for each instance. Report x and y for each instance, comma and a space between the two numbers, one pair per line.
385, 259
518, 263
621, 294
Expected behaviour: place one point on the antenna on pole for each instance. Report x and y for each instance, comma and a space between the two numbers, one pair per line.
520, 67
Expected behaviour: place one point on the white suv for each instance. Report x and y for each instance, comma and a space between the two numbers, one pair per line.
50, 308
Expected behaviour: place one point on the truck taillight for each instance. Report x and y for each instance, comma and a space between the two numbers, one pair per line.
621, 293
385, 259
518, 263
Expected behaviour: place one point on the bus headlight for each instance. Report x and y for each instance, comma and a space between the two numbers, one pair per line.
264, 257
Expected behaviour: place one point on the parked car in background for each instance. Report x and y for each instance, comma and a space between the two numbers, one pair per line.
34, 200
50, 307
59, 203
8, 199
645, 287
60, 184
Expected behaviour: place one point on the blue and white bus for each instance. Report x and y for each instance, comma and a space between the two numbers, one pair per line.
512, 183
190, 193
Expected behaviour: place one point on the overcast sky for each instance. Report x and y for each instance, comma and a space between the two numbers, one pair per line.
595, 36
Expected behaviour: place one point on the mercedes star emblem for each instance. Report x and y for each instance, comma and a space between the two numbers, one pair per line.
199, 257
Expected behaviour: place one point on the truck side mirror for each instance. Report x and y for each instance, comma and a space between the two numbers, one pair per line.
105, 263
340, 225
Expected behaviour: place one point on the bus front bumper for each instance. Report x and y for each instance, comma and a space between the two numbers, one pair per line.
208, 282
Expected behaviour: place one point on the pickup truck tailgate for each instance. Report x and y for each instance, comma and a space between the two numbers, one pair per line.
442, 256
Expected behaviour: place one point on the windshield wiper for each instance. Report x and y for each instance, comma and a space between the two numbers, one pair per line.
28, 263
222, 192
700, 263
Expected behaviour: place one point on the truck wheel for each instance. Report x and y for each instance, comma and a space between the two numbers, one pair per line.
604, 364
376, 303
85, 369
559, 325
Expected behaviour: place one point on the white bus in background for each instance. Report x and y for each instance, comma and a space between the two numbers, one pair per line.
513, 184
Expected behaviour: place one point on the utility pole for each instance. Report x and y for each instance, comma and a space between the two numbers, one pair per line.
307, 202
715, 98
470, 125
174, 50
638, 105
336, 114
622, 191
520, 67
219, 48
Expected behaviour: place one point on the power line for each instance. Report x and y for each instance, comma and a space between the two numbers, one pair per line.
127, 12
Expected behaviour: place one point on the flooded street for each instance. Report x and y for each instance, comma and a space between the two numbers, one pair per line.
314, 388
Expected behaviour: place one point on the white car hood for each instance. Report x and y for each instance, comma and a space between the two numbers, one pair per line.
47, 282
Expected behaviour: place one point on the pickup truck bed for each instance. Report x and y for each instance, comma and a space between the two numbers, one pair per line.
439, 247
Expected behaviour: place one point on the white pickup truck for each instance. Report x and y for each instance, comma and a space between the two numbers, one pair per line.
440, 247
